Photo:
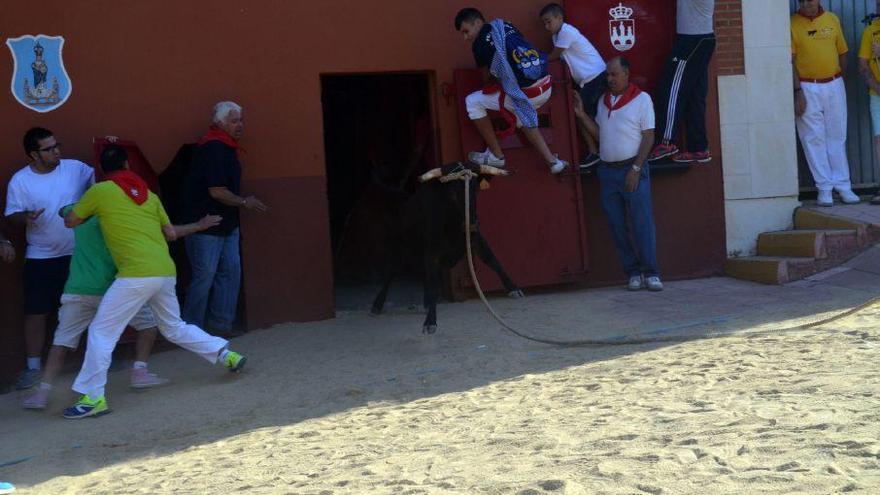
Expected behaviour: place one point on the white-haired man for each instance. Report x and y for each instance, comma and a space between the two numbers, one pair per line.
213, 187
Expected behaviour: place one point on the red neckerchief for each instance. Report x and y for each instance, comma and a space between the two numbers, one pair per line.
629, 95
217, 134
131, 184
813, 17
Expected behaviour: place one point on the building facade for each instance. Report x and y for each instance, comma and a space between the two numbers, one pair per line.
333, 93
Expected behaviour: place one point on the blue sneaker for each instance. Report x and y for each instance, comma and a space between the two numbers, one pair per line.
6, 487
87, 407
27, 379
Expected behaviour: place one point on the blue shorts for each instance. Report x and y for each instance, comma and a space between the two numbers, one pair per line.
875, 114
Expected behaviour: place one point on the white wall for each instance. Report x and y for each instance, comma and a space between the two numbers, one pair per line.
757, 130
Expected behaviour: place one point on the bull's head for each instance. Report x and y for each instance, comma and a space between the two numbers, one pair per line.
458, 170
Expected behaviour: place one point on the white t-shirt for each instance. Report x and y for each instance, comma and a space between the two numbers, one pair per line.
30, 191
583, 60
695, 17
620, 134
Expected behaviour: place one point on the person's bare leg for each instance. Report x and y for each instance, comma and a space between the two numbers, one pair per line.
487, 132
34, 335
876, 198
144, 345
54, 362
534, 136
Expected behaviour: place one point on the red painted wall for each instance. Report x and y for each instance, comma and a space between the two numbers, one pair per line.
151, 71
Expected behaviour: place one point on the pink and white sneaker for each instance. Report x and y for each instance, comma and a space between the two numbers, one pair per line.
141, 378
37, 400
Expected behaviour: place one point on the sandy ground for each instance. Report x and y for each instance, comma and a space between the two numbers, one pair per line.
363, 405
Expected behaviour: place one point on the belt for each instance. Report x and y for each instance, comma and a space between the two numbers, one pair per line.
822, 81
621, 164
539, 88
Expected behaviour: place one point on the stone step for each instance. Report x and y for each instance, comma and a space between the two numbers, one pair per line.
770, 269
806, 219
796, 243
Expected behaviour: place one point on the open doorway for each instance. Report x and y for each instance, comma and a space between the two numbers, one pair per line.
378, 137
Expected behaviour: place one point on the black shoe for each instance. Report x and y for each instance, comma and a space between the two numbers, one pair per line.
588, 161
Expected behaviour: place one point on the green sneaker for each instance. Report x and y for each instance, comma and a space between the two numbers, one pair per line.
87, 407
234, 361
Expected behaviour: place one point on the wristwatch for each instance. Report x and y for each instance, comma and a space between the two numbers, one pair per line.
636, 168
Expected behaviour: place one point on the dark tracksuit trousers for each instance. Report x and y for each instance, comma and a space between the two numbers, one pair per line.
682, 92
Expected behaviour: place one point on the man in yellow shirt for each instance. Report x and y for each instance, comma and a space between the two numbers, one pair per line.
869, 67
136, 230
818, 55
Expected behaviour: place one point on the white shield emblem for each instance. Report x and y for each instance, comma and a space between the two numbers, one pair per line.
39, 80
622, 28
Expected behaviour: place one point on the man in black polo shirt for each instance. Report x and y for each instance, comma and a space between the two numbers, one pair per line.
213, 187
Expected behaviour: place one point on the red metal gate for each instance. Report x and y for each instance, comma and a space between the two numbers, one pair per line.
533, 220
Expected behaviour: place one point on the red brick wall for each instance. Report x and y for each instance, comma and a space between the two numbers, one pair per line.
729, 31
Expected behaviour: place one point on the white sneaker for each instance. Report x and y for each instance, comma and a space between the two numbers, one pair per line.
824, 199
654, 283
848, 197
635, 283
485, 158
559, 166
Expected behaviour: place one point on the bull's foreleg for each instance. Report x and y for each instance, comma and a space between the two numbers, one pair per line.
432, 293
481, 247
391, 267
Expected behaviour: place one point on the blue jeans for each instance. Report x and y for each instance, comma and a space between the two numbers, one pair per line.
616, 201
216, 275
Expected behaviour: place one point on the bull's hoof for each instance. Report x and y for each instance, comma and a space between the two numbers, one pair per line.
516, 294
429, 329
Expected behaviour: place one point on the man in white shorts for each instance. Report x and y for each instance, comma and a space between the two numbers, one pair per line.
523, 85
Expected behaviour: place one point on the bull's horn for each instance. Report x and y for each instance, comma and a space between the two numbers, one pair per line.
430, 175
489, 170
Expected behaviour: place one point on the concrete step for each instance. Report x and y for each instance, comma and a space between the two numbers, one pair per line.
770, 269
793, 243
806, 219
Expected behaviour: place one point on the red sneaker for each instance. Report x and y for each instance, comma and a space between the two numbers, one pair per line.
662, 150
692, 156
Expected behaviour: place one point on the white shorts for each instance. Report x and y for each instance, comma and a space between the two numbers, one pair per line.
77, 312
477, 103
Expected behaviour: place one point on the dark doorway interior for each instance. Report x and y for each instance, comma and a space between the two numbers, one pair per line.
378, 137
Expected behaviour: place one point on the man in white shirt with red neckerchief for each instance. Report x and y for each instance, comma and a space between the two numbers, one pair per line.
624, 127
35, 193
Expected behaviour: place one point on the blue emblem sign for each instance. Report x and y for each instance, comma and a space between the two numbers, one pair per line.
39, 80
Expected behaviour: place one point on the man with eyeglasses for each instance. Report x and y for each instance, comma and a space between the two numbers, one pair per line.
35, 194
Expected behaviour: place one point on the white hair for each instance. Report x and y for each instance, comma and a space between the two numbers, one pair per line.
222, 109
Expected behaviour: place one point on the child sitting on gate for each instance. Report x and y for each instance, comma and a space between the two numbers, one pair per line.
585, 64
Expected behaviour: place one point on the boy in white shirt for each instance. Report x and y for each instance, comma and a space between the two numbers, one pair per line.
585, 64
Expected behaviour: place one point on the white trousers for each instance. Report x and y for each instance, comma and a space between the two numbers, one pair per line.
822, 129
477, 103
121, 302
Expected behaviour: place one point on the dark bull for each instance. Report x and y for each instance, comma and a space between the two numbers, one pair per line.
432, 223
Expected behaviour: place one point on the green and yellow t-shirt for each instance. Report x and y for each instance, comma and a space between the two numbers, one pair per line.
133, 233
817, 44
92, 270
870, 49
